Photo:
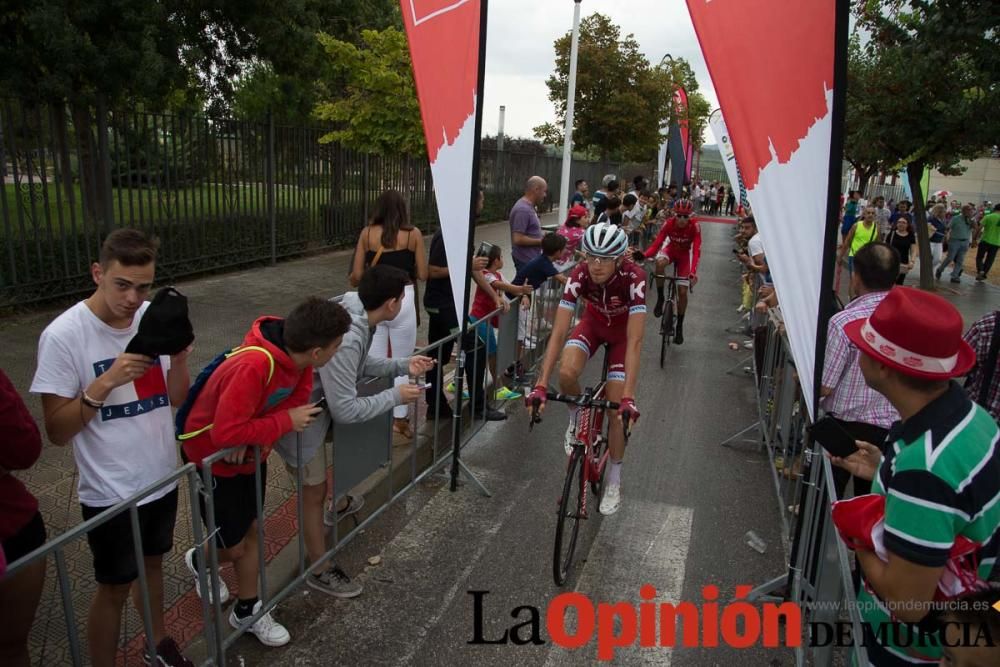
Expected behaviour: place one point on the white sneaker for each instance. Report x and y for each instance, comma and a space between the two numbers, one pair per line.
266, 629
570, 439
223, 589
611, 499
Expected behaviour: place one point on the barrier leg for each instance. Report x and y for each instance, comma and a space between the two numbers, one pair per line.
736, 438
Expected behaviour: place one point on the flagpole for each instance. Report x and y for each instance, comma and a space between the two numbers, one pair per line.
838, 116
567, 161
473, 201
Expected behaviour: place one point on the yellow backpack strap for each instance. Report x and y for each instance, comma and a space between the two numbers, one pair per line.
233, 353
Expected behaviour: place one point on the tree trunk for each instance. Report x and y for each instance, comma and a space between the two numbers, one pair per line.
87, 163
914, 172
864, 176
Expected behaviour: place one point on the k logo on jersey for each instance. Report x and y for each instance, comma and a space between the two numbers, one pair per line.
637, 291
573, 287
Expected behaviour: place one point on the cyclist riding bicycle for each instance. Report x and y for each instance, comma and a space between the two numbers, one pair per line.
679, 243
613, 287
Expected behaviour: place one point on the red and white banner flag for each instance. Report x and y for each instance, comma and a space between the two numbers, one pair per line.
681, 109
777, 98
444, 48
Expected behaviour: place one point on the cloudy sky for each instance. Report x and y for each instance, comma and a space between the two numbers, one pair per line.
520, 52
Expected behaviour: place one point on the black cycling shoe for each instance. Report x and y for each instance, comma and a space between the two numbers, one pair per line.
679, 338
658, 311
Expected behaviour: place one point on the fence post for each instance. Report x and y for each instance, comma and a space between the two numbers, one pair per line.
103, 169
364, 188
271, 218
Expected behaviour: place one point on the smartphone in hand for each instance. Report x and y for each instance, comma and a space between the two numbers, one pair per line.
833, 437
321, 403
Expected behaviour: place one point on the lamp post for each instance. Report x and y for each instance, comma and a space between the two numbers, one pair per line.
570, 104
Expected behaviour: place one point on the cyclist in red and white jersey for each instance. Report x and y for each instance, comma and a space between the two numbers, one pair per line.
679, 242
613, 288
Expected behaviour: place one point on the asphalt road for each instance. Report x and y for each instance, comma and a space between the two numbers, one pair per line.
687, 504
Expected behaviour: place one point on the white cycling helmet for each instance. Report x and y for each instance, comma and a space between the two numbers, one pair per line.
605, 240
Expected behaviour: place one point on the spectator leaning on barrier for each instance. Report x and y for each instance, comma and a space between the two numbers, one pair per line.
114, 409
21, 527
535, 274
983, 381
862, 411
988, 239
378, 299
525, 228
330, 579
251, 400
940, 472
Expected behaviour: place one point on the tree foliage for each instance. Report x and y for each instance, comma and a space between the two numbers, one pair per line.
291, 86
621, 99
378, 110
938, 99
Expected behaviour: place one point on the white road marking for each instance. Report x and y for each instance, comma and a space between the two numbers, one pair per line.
463, 576
644, 543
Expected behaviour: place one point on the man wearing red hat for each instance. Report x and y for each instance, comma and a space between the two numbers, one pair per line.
940, 474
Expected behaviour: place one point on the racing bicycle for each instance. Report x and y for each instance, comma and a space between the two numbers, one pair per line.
669, 319
586, 466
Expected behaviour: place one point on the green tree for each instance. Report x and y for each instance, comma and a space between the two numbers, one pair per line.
937, 105
292, 80
620, 99
863, 148
378, 111
170, 54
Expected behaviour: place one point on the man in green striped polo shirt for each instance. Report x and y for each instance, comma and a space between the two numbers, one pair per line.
939, 470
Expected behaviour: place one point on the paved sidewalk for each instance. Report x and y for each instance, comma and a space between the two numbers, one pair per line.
222, 308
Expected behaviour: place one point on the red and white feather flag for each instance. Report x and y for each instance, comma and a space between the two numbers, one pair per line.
777, 96
445, 50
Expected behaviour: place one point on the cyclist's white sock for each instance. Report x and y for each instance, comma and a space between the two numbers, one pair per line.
614, 472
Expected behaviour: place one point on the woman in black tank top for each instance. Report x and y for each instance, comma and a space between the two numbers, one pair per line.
380, 242
391, 240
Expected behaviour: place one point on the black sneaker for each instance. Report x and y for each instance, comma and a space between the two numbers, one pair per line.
491, 415
168, 654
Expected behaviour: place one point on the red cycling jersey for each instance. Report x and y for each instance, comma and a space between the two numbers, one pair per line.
684, 240
623, 294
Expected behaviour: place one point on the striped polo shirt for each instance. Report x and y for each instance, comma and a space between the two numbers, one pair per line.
941, 478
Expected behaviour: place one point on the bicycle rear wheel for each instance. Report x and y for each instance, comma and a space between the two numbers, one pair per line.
570, 513
666, 329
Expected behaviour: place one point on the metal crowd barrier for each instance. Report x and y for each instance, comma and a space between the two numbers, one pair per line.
362, 453
819, 566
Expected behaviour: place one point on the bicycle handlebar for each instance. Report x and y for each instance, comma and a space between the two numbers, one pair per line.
583, 401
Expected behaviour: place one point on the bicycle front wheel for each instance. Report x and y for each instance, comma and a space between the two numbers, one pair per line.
666, 329
570, 513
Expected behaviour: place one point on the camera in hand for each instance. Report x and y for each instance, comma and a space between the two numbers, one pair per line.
484, 249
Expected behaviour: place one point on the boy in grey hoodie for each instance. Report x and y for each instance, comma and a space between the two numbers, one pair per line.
379, 299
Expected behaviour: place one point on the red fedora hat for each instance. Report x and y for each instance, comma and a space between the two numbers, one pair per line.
915, 332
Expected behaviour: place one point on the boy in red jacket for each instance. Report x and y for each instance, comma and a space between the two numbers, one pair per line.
250, 401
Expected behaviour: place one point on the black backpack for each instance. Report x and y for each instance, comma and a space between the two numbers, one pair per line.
199, 383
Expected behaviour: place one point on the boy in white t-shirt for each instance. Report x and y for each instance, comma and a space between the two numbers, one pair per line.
114, 409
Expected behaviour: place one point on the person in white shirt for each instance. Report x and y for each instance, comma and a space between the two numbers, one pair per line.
113, 407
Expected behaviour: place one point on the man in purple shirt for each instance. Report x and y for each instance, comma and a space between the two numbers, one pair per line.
862, 411
525, 228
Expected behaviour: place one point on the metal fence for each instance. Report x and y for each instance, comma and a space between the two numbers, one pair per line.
219, 192
819, 566
365, 456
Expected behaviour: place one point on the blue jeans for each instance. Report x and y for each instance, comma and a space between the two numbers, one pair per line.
956, 253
